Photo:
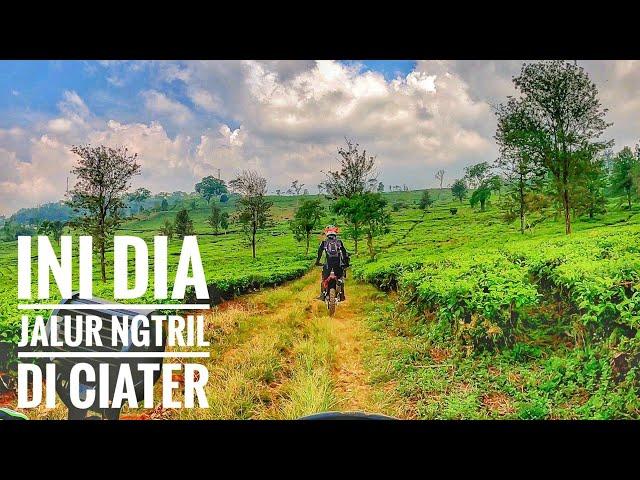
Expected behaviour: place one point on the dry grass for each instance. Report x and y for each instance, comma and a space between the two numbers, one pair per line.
277, 355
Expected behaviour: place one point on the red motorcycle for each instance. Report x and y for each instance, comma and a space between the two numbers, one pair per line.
333, 290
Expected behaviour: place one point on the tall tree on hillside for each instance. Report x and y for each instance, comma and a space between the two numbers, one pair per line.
253, 207
167, 229
425, 200
350, 209
210, 187
375, 219
480, 178
214, 218
296, 187
139, 196
103, 177
52, 228
183, 225
521, 167
224, 221
588, 191
563, 120
356, 174
305, 220
440, 177
635, 171
459, 189
624, 165
475, 175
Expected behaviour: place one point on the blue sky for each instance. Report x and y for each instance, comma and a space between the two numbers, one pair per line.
389, 68
30, 89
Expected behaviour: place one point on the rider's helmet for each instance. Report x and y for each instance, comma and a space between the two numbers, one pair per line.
331, 231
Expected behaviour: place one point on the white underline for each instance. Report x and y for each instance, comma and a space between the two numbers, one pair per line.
108, 306
113, 354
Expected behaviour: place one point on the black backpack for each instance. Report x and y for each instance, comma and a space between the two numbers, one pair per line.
333, 247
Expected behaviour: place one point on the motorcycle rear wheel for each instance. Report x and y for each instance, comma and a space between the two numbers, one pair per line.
331, 303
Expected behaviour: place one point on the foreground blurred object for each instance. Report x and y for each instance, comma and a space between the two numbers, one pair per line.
346, 416
8, 414
64, 365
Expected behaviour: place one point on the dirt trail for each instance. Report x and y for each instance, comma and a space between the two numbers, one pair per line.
352, 338
277, 354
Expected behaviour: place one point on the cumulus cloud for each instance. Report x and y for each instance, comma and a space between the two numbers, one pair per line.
161, 105
36, 163
295, 122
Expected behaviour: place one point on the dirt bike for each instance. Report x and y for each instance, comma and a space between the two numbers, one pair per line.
333, 290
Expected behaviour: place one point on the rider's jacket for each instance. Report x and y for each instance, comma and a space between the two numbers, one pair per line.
343, 250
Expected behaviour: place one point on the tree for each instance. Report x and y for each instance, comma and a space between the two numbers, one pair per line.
296, 187
103, 177
167, 229
380, 187
374, 218
479, 178
561, 121
210, 187
356, 174
214, 218
52, 228
440, 177
635, 173
139, 196
495, 184
624, 165
480, 195
305, 220
459, 189
588, 191
520, 166
164, 205
253, 207
425, 200
224, 221
183, 224
224, 198
350, 209
476, 175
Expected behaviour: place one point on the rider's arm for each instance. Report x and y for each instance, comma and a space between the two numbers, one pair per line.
345, 254
320, 250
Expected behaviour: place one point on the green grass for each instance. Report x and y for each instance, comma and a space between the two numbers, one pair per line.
227, 260
489, 323
496, 324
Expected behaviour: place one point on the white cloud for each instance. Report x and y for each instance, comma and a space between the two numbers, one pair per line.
286, 118
73, 105
208, 101
60, 125
115, 81
159, 104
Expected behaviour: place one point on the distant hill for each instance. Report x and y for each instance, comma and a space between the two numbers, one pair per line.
48, 211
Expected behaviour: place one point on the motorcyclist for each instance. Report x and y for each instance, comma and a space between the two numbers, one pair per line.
336, 257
